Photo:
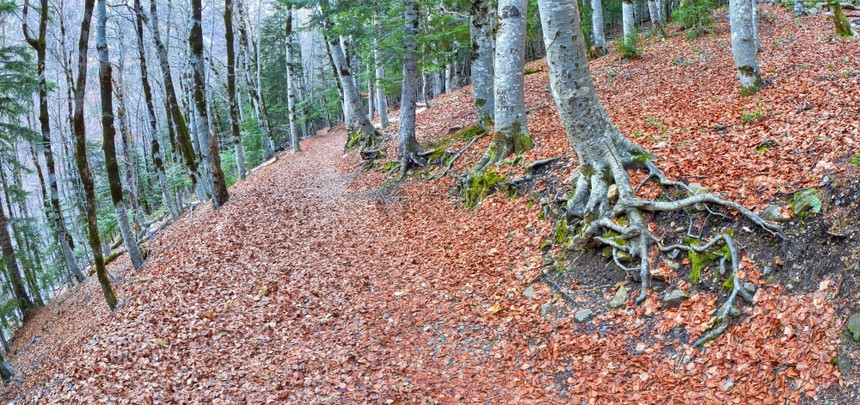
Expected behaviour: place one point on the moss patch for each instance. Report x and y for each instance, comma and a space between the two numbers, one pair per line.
482, 186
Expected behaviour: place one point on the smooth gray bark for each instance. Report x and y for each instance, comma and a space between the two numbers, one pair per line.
744, 47
407, 145
598, 38
381, 103
599, 145
357, 122
627, 20
511, 133
757, 40
291, 90
482, 18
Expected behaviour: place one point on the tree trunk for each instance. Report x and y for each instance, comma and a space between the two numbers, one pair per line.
361, 131
843, 27
231, 90
627, 21
381, 104
55, 212
656, 23
482, 16
183, 138
195, 41
108, 139
131, 178
255, 97
599, 39
407, 145
155, 146
81, 156
743, 46
13, 273
291, 91
758, 47
511, 133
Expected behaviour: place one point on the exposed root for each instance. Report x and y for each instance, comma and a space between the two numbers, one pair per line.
611, 214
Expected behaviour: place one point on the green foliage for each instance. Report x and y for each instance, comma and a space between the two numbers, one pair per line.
626, 46
701, 260
749, 117
808, 199
696, 16
855, 160
481, 186
559, 233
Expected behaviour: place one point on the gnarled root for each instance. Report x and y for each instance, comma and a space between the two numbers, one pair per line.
604, 202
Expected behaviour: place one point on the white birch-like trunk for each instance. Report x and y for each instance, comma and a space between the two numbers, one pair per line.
627, 20
511, 132
291, 90
598, 38
654, 13
599, 145
352, 100
744, 47
482, 16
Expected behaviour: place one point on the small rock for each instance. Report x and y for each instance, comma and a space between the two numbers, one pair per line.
660, 145
772, 213
583, 316
612, 193
766, 271
675, 297
547, 309
778, 261
620, 297
808, 199
671, 264
843, 363
750, 287
789, 286
697, 189
853, 326
546, 261
529, 291
728, 385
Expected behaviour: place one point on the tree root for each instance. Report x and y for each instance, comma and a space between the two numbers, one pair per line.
604, 202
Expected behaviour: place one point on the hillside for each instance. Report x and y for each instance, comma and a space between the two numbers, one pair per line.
319, 282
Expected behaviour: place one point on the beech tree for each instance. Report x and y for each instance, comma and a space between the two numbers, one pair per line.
379, 73
407, 146
231, 90
108, 139
291, 88
482, 17
146, 87
55, 212
81, 154
744, 46
195, 41
603, 199
511, 133
598, 38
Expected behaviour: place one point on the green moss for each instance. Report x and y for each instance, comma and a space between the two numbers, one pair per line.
111, 257
729, 284
559, 233
481, 186
469, 133
531, 71
855, 160
700, 260
389, 166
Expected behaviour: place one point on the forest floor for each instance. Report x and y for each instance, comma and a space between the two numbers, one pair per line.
320, 283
